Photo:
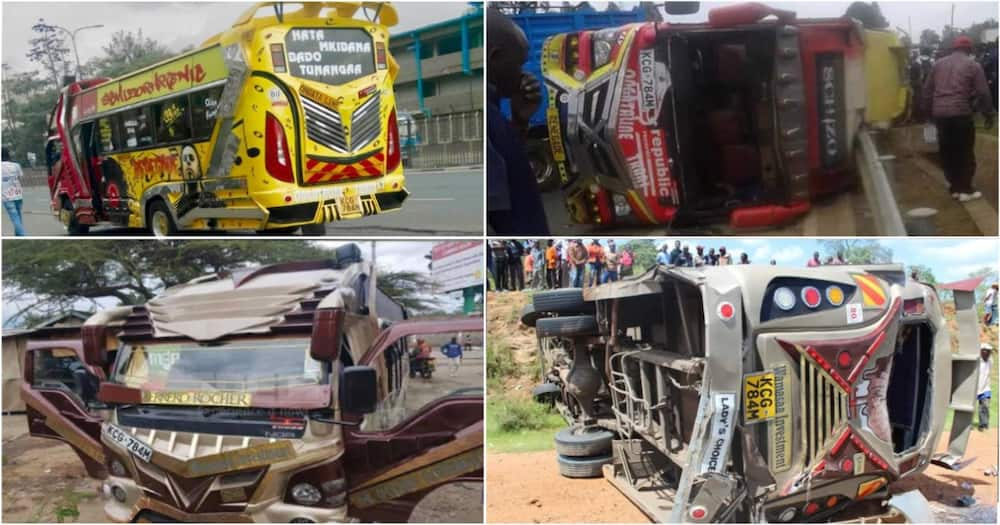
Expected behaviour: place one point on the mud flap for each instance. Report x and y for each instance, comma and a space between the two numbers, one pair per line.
964, 373
913, 506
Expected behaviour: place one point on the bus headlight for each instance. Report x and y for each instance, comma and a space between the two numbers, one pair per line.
622, 208
602, 53
306, 494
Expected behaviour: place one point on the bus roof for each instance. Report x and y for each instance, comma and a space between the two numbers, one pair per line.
385, 13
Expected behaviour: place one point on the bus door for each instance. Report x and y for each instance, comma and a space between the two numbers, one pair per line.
55, 388
90, 163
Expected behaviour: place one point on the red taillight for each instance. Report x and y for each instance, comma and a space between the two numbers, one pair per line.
278, 58
276, 155
392, 153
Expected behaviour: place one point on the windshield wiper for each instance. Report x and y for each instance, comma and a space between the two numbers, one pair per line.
321, 416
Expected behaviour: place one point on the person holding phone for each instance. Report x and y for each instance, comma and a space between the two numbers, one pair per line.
513, 202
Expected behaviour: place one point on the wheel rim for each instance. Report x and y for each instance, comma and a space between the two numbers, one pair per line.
161, 224
542, 170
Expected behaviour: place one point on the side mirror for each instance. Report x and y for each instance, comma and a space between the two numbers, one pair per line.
681, 8
328, 325
358, 390
94, 340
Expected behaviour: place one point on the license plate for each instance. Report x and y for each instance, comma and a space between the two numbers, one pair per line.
759, 397
349, 203
135, 447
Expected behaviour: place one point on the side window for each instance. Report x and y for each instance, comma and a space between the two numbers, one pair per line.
137, 128
53, 368
109, 134
172, 120
422, 369
204, 110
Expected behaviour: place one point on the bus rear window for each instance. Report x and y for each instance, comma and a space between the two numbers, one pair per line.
331, 56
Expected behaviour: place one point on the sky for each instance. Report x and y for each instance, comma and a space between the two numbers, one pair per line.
949, 259
174, 24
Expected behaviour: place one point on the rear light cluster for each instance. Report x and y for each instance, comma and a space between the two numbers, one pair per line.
277, 158
393, 154
789, 297
278, 58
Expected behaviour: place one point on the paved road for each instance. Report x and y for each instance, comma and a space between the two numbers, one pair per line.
441, 203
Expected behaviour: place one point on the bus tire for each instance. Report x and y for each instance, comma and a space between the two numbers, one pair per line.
566, 326
73, 227
564, 301
314, 229
159, 220
530, 316
578, 442
585, 467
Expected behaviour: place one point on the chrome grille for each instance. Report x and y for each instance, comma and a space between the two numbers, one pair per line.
823, 408
365, 122
325, 126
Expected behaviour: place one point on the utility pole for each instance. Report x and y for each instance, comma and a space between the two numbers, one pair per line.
372, 288
72, 37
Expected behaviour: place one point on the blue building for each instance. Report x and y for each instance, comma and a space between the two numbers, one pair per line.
448, 77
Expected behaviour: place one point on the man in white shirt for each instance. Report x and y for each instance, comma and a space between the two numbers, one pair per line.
985, 393
990, 305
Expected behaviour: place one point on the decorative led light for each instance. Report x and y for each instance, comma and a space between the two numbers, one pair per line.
726, 311
811, 296
784, 298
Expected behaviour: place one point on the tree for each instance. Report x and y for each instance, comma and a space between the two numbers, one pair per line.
929, 38
408, 288
53, 276
127, 52
924, 274
49, 49
870, 15
27, 100
643, 254
858, 251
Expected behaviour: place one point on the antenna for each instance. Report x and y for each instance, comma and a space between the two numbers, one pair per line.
279, 12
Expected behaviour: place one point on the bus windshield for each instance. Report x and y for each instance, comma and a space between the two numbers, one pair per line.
234, 366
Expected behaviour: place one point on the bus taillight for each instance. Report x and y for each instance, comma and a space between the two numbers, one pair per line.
276, 157
392, 144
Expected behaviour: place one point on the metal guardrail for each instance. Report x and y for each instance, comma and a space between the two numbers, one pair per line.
455, 139
878, 187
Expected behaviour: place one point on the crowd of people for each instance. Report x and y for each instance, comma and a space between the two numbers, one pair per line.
550, 264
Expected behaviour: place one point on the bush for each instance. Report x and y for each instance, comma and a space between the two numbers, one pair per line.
512, 415
500, 361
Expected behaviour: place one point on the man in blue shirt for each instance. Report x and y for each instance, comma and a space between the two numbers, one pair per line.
453, 351
662, 257
513, 202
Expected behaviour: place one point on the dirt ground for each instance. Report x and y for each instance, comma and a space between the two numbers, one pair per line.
546, 497
44, 481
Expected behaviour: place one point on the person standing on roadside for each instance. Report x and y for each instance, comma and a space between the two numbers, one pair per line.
513, 201
712, 259
610, 265
699, 256
551, 266
814, 262
626, 261
955, 88
724, 258
595, 258
453, 351
538, 254
676, 254
662, 257
578, 258
516, 251
13, 194
985, 393
990, 305
529, 266
502, 274
744, 258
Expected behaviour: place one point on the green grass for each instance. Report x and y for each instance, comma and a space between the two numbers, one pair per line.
520, 425
980, 129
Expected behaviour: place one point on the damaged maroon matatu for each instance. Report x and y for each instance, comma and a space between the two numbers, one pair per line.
271, 394
746, 118
759, 393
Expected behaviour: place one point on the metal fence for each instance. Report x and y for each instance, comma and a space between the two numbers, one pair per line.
442, 141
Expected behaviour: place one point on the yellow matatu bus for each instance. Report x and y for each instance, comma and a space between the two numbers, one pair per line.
281, 122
